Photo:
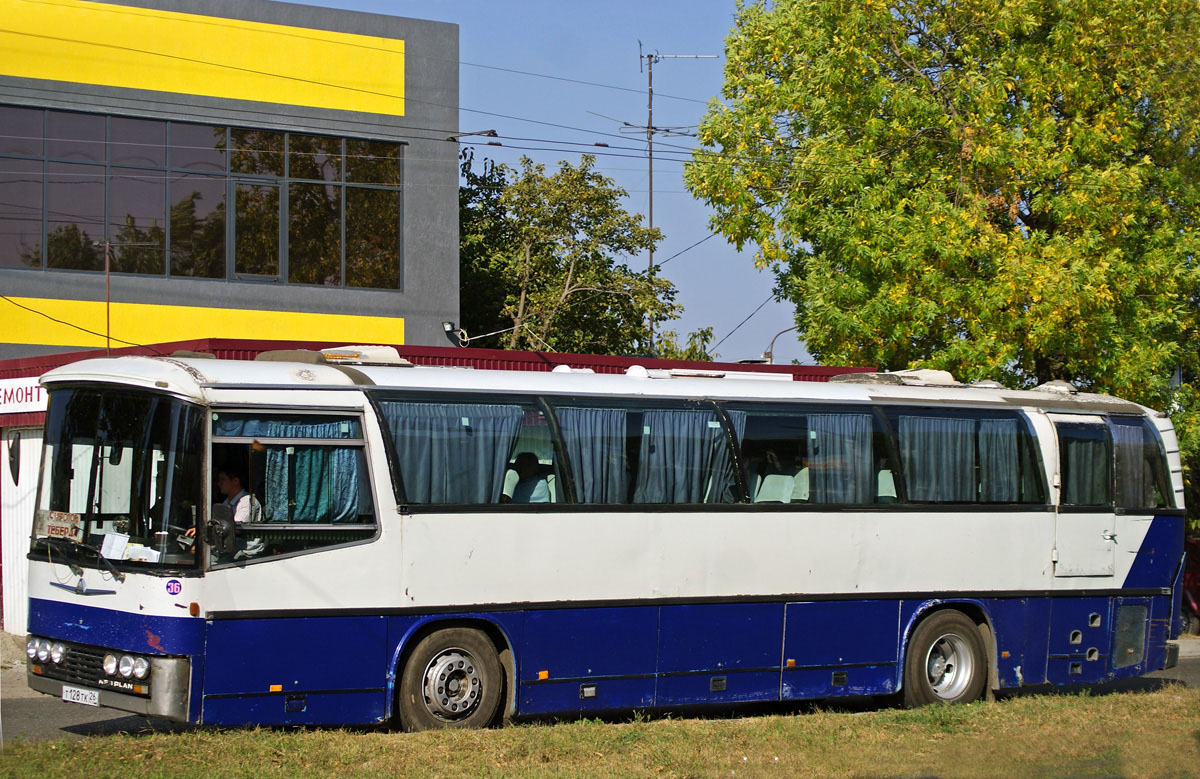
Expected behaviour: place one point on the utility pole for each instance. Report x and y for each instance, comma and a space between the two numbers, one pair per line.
650, 132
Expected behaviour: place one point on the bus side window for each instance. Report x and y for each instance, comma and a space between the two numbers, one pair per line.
1085, 459
800, 454
466, 452
306, 479
968, 456
1141, 468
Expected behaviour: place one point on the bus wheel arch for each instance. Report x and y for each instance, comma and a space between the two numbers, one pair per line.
949, 656
474, 661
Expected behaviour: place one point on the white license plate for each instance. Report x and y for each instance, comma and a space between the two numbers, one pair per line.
76, 695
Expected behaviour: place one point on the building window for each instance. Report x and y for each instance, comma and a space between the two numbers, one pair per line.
198, 200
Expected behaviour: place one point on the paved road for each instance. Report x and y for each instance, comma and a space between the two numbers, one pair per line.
28, 715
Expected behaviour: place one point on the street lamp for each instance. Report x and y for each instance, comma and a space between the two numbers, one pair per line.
768, 355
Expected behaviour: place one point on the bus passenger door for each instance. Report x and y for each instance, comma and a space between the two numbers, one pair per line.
1085, 536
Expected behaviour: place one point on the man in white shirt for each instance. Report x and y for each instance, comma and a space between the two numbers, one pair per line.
246, 509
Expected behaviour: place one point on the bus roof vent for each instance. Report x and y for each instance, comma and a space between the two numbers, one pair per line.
987, 384
919, 377
364, 355
564, 368
292, 355
1058, 386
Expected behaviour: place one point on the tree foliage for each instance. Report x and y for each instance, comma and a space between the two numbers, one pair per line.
697, 345
1007, 190
539, 260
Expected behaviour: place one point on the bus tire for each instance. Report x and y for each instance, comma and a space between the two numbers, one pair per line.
452, 679
946, 661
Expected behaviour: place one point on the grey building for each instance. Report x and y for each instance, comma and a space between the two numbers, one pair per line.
244, 169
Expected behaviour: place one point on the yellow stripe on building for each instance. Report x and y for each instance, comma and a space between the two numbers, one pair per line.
163, 51
141, 323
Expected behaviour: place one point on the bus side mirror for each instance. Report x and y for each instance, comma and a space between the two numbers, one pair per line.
14, 455
220, 530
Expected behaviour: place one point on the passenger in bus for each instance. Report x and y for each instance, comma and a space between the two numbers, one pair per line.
531, 486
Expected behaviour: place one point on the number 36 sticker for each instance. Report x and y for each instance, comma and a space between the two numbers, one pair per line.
174, 587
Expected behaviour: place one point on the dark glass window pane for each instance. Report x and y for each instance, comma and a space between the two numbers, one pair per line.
21, 131
1085, 454
139, 142
137, 205
256, 242
314, 157
21, 213
314, 234
198, 226
198, 147
372, 238
258, 152
373, 162
453, 453
809, 454
75, 216
1141, 465
75, 136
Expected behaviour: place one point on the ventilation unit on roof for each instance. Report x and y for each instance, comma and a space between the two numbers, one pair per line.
919, 377
1058, 386
364, 355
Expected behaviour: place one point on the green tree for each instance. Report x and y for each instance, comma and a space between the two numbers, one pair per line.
1006, 190
697, 345
539, 259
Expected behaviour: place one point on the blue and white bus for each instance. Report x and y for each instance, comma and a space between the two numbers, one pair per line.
440, 547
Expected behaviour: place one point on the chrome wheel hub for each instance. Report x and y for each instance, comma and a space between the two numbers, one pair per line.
452, 684
948, 666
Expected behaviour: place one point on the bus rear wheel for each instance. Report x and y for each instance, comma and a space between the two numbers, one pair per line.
946, 661
452, 679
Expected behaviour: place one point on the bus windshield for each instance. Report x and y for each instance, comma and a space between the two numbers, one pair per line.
121, 479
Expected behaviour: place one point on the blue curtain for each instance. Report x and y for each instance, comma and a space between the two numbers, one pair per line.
841, 465
452, 453
1134, 450
722, 487
938, 456
1000, 468
676, 455
303, 483
1085, 456
595, 442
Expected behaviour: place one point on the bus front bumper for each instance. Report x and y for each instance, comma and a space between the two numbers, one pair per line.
168, 691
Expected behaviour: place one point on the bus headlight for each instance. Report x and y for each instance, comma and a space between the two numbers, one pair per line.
57, 652
31, 645
110, 664
125, 666
43, 650
141, 667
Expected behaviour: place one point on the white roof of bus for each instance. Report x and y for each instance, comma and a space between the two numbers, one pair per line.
200, 379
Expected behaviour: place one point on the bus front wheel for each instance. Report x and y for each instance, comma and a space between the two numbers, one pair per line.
946, 661
452, 680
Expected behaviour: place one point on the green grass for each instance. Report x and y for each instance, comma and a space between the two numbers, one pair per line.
1134, 734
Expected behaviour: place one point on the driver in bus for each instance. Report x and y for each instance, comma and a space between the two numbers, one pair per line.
246, 509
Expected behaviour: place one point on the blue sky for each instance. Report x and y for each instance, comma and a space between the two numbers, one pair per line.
598, 42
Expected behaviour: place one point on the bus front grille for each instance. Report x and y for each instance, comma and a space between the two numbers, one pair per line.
83, 664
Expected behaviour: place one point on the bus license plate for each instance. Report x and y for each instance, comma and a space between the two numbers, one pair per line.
76, 695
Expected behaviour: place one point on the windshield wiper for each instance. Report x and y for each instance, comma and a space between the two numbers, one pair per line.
70, 548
